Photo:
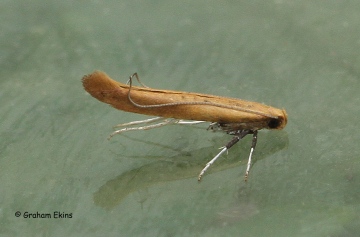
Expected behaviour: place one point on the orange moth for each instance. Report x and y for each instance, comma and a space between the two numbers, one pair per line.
233, 116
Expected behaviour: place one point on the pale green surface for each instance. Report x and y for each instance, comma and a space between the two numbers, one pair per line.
54, 156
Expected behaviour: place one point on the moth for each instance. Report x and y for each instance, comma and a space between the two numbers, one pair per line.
236, 117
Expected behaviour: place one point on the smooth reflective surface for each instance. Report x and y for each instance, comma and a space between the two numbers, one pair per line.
55, 158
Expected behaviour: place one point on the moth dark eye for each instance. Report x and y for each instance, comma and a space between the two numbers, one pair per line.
274, 123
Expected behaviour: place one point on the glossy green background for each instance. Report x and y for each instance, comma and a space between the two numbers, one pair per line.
54, 155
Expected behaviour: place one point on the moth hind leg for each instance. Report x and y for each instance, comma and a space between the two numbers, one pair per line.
147, 124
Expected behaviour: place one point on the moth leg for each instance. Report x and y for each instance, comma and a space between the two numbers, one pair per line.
165, 121
184, 122
145, 121
253, 145
162, 122
232, 142
214, 127
211, 162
